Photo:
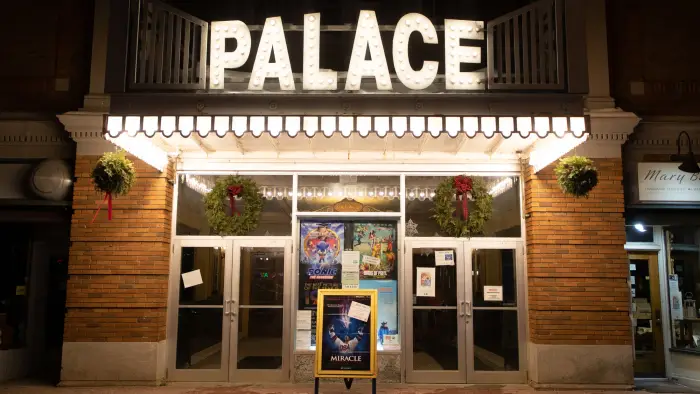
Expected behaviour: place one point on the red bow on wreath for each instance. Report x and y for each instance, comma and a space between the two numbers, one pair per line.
233, 192
463, 185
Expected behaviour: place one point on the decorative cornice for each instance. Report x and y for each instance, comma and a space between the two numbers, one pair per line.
610, 129
24, 138
85, 128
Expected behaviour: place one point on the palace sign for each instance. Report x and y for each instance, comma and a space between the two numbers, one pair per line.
366, 36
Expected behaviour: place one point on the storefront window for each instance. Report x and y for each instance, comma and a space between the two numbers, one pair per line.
276, 217
505, 219
684, 286
639, 233
349, 193
352, 254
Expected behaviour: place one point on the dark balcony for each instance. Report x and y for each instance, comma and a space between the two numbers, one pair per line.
535, 47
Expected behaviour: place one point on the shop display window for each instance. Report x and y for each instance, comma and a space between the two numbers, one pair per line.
350, 254
276, 217
349, 193
505, 219
684, 286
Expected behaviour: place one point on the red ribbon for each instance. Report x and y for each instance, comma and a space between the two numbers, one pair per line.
463, 185
108, 198
233, 191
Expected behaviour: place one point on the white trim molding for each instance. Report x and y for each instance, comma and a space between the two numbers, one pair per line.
609, 130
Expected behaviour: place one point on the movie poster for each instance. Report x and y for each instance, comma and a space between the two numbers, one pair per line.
376, 243
387, 308
346, 346
320, 259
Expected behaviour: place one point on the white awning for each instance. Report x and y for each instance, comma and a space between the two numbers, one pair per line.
153, 138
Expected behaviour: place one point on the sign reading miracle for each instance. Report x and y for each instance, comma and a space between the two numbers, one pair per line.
345, 334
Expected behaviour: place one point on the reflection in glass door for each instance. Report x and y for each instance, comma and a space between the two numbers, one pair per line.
436, 316
256, 310
199, 351
494, 328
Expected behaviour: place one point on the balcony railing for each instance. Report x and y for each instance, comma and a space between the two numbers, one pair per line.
535, 48
168, 49
526, 48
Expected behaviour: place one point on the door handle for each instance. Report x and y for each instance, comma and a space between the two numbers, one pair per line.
464, 309
469, 309
226, 308
232, 312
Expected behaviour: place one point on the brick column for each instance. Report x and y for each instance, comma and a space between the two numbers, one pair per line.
578, 298
118, 285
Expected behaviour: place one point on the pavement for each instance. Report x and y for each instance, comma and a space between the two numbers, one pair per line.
34, 388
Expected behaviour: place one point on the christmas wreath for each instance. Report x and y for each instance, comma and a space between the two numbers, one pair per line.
463, 223
113, 175
224, 193
576, 175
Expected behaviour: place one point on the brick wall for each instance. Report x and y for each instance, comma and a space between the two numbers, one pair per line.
576, 263
117, 290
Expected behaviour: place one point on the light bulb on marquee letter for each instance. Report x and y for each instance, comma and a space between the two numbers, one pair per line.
313, 77
455, 54
367, 35
219, 59
414, 79
272, 41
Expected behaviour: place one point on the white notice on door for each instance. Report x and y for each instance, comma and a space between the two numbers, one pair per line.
444, 257
192, 278
425, 282
493, 293
359, 311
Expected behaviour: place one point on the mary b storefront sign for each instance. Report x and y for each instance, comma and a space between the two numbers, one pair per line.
664, 182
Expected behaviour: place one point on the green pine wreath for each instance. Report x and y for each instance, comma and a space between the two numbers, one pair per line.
114, 174
241, 223
450, 222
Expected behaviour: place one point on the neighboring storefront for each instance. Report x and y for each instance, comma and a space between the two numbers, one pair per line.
663, 242
36, 180
352, 182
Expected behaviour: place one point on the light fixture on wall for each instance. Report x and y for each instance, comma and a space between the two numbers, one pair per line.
640, 227
688, 162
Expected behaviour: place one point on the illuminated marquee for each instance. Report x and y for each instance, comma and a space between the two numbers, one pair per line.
366, 36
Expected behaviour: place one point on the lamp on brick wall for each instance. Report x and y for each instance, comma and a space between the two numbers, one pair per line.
688, 162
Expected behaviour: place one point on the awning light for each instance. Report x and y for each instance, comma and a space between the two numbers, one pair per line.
382, 126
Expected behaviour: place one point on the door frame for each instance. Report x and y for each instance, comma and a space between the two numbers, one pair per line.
257, 375
516, 244
466, 373
193, 375
659, 246
227, 371
454, 376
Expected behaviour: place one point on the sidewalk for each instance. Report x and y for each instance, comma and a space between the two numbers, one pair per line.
20, 388
33, 388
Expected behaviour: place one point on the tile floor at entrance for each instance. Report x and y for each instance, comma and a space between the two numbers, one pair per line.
27, 388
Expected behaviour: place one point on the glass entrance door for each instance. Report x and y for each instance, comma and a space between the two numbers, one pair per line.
258, 309
435, 314
232, 301
198, 340
495, 325
464, 323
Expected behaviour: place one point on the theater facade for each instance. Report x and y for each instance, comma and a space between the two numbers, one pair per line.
335, 131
